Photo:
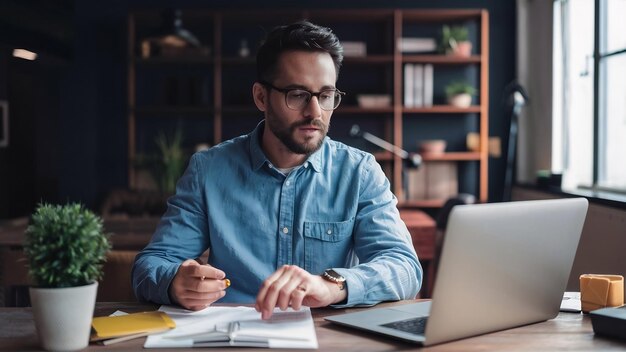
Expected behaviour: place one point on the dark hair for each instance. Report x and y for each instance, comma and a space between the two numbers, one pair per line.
302, 35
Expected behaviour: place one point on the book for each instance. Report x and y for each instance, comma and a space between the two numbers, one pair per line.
118, 328
409, 86
428, 85
418, 83
227, 326
354, 49
433, 180
417, 45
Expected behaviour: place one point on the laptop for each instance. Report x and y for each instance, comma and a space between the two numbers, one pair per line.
502, 265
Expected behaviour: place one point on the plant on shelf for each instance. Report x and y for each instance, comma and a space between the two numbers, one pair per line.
455, 41
460, 93
66, 247
166, 166
172, 161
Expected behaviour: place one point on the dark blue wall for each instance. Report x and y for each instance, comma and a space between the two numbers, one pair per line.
93, 115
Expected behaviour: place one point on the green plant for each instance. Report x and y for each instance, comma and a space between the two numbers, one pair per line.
172, 161
65, 246
451, 36
455, 88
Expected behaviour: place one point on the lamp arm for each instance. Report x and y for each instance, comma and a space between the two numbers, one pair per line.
415, 159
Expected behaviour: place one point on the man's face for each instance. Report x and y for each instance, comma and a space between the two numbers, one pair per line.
301, 131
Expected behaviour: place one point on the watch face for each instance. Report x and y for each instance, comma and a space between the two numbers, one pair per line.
335, 275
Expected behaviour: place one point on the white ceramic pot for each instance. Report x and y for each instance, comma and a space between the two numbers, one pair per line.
460, 100
63, 316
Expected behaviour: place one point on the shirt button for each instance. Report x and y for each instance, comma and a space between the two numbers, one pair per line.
285, 230
287, 183
329, 231
306, 165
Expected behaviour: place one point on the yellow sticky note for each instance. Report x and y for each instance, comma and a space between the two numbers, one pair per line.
134, 323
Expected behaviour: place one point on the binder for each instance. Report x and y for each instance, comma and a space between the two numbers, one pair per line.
409, 87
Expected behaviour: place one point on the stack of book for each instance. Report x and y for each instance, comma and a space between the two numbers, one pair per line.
354, 49
433, 180
418, 85
417, 45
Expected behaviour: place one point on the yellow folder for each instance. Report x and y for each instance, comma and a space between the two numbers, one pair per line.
130, 324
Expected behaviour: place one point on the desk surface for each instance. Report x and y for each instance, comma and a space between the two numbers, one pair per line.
569, 331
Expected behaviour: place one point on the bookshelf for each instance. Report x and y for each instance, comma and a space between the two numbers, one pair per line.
212, 100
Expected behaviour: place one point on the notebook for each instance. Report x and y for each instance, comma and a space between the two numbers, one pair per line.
502, 265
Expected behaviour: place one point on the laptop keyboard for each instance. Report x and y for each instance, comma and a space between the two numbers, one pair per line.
413, 326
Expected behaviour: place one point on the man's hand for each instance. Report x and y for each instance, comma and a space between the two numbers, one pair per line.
197, 286
295, 287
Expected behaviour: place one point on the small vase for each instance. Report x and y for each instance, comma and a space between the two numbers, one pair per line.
63, 316
463, 49
460, 100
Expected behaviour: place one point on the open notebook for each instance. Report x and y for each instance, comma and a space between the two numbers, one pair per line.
237, 327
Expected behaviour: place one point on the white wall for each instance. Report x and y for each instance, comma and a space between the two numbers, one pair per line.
603, 241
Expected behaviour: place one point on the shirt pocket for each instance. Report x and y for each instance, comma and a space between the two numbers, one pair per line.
327, 244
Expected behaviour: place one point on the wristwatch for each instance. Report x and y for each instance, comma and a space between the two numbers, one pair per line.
334, 277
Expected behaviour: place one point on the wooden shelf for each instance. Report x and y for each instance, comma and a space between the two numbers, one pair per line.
351, 109
173, 110
441, 59
451, 156
380, 71
370, 59
181, 60
442, 109
383, 156
425, 203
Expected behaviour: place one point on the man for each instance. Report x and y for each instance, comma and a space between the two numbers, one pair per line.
290, 216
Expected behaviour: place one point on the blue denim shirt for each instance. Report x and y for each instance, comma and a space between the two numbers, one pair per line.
334, 211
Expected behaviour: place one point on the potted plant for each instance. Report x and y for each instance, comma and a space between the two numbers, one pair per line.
455, 41
65, 247
459, 94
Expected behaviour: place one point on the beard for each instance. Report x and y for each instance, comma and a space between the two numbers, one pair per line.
285, 133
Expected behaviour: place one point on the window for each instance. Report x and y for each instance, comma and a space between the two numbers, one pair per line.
589, 106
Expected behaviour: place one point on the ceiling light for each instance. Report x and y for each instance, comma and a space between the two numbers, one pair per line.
24, 54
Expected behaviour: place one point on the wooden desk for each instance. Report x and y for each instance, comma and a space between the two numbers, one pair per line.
568, 332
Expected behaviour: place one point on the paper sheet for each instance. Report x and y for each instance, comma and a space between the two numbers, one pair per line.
286, 329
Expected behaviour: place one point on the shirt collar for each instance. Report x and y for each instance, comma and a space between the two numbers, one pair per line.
258, 158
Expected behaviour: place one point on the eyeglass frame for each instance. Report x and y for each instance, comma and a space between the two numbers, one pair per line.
286, 91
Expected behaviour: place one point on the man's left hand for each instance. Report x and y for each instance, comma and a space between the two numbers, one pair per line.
293, 286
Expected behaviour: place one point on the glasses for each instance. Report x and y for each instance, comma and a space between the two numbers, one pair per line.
298, 98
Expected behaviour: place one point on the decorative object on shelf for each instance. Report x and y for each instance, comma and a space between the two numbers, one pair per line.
455, 41
166, 167
354, 49
459, 94
417, 45
432, 147
172, 163
172, 40
373, 100
244, 50
66, 247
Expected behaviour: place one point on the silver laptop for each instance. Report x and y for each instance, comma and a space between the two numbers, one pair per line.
502, 265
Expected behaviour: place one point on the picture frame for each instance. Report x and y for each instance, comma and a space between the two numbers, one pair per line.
4, 124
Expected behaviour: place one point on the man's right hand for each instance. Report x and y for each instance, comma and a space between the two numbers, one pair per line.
197, 286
